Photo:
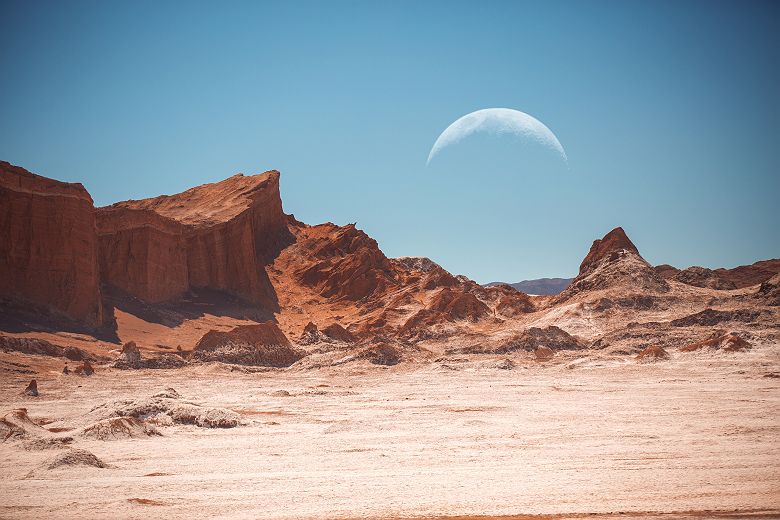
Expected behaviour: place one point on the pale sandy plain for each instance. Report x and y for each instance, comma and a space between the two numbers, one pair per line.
585, 434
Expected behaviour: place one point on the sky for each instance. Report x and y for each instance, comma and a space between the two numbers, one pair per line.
668, 112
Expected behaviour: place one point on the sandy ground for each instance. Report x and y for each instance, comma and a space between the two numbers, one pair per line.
577, 436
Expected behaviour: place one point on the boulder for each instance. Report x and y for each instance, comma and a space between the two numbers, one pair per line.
263, 344
32, 389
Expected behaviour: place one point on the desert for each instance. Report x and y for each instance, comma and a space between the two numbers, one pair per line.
339, 383
389, 260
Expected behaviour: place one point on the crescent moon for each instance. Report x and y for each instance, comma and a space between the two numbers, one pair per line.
498, 121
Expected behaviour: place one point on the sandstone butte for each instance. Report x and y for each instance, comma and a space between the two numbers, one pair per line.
230, 236
48, 245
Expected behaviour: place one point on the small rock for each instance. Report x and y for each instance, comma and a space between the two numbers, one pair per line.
84, 369
505, 364
66, 370
32, 389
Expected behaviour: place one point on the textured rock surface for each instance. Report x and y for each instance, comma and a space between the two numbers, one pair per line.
262, 345
217, 236
724, 279
614, 262
48, 247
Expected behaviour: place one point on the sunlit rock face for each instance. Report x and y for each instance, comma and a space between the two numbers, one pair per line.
216, 236
48, 247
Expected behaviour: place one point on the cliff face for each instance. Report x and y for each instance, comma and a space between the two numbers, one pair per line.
217, 236
142, 253
48, 246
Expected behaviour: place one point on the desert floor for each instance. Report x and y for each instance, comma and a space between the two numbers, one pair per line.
578, 436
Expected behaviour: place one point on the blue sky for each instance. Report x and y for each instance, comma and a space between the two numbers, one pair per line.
668, 112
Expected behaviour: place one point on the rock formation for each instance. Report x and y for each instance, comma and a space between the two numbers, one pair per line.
130, 357
32, 389
723, 279
48, 247
614, 261
261, 345
217, 236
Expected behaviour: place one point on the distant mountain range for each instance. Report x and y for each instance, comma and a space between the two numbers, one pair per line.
544, 286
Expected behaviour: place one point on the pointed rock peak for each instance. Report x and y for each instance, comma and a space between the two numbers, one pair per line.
613, 242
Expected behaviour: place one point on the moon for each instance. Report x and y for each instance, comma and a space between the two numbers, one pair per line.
498, 121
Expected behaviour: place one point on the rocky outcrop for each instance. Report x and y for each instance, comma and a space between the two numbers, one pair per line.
614, 262
609, 247
259, 345
130, 357
218, 236
652, 353
32, 389
729, 342
48, 247
41, 347
342, 263
723, 279
339, 333
769, 292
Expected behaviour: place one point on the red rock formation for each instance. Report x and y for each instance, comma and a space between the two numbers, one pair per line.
337, 332
48, 248
459, 305
217, 236
345, 263
142, 253
736, 278
614, 262
612, 243
263, 344
652, 353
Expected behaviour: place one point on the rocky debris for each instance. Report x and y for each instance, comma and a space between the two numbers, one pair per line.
339, 333
166, 408
16, 424
257, 345
129, 357
710, 317
382, 353
168, 393
703, 277
529, 340
41, 347
505, 364
769, 292
48, 247
119, 428
32, 389
69, 458
533, 338
637, 302
652, 353
728, 342
218, 236
74, 354
165, 361
543, 353
310, 335
84, 369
